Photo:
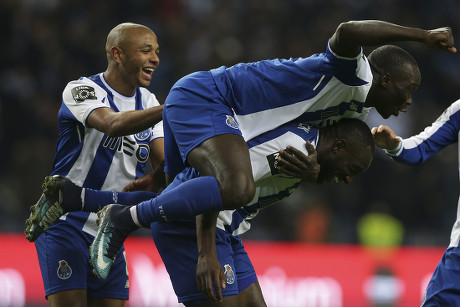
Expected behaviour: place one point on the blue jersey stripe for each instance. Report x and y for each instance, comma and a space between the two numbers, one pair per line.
101, 163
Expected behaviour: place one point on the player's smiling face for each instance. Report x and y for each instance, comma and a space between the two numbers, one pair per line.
141, 57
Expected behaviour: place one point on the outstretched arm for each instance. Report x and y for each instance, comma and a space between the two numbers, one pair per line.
418, 148
124, 123
350, 36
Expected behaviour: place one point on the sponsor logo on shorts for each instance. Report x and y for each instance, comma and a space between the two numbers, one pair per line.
64, 271
231, 122
228, 271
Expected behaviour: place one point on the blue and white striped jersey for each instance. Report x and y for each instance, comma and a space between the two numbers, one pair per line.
319, 90
417, 149
90, 158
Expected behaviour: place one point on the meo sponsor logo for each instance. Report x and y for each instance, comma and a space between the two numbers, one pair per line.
129, 147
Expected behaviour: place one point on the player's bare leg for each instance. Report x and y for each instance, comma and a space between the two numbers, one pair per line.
226, 157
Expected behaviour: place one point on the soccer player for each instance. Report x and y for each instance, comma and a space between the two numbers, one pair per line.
443, 287
209, 116
343, 151
109, 128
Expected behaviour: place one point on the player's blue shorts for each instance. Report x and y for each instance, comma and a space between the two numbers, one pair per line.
444, 286
194, 111
64, 263
176, 243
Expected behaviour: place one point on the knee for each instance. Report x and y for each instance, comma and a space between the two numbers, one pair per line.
237, 192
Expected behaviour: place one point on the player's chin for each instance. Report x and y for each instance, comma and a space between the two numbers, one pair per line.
387, 115
143, 83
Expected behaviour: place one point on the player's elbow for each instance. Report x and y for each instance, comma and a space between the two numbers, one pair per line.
345, 30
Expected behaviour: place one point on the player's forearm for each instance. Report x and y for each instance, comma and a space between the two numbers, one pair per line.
131, 122
376, 32
116, 124
206, 233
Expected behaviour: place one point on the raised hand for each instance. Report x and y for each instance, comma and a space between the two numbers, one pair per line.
441, 38
385, 138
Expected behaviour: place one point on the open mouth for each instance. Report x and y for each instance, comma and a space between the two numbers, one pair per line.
148, 71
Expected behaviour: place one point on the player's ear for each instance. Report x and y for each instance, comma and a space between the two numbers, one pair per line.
117, 54
386, 80
339, 145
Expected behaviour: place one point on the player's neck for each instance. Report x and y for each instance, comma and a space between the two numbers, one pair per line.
116, 81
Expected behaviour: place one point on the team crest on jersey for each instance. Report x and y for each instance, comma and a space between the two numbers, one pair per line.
83, 92
231, 122
228, 271
142, 136
273, 163
64, 270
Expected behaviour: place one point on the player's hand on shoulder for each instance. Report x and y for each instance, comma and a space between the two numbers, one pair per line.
441, 38
385, 138
293, 162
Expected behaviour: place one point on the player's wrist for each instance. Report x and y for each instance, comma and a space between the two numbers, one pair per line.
396, 148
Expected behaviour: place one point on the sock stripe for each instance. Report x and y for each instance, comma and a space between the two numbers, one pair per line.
133, 211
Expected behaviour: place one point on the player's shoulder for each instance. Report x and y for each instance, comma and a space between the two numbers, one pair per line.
84, 88
83, 84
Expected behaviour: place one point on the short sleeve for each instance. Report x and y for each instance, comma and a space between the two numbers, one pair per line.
82, 97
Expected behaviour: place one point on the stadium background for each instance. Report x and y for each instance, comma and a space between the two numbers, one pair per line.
46, 43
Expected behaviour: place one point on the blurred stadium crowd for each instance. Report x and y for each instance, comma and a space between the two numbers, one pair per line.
46, 43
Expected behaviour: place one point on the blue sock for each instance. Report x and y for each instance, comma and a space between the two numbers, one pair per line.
185, 201
95, 200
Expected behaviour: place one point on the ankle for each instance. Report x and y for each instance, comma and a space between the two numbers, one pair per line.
122, 216
72, 197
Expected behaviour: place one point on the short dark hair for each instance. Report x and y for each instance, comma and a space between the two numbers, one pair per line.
392, 59
354, 131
